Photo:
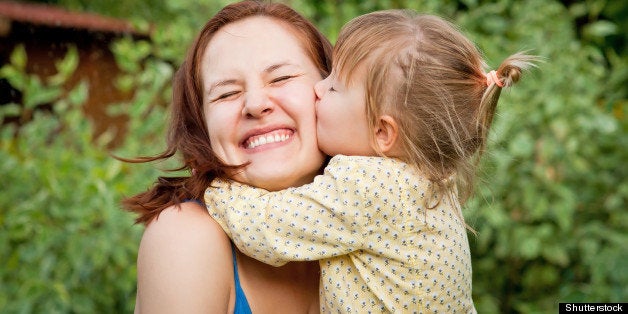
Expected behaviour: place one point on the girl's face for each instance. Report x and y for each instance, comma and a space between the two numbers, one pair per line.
342, 124
258, 102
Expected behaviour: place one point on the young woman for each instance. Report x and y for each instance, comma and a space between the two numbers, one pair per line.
271, 57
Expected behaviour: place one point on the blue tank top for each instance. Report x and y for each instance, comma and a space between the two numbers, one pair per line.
241, 303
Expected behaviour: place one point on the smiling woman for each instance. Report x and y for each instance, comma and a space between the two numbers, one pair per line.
257, 100
243, 109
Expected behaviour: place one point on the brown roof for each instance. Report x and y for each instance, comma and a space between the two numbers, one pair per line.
48, 15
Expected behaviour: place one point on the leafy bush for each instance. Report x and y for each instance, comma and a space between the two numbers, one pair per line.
550, 209
65, 245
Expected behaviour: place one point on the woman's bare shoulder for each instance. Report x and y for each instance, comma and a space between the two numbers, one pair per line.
184, 263
186, 221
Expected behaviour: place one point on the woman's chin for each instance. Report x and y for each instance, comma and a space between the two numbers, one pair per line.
281, 167
278, 176
268, 179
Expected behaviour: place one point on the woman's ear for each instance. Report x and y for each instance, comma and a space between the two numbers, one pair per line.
386, 135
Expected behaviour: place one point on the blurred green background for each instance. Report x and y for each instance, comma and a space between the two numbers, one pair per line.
550, 206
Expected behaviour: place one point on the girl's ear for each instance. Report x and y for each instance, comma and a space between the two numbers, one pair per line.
386, 135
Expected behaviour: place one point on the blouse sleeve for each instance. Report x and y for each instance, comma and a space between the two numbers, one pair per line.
323, 219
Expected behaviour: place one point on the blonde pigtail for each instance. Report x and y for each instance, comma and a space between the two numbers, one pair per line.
507, 74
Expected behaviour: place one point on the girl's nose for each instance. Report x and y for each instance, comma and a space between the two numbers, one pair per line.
320, 88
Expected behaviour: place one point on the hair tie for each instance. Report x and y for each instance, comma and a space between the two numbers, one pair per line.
491, 78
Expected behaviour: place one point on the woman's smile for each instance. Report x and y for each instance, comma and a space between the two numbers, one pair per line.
273, 137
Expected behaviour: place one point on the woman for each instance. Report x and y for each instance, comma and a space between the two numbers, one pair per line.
243, 109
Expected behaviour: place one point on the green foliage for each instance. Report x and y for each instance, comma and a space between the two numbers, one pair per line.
42, 92
550, 208
65, 245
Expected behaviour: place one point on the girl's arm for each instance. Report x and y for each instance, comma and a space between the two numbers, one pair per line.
184, 264
322, 219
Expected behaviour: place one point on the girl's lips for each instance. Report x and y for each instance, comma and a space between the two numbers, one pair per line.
274, 136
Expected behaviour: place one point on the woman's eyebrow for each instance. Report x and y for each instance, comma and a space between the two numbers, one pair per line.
276, 66
221, 83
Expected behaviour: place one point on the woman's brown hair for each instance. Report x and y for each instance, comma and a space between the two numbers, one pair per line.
426, 74
187, 132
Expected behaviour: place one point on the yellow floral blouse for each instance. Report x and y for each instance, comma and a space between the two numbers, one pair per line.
365, 221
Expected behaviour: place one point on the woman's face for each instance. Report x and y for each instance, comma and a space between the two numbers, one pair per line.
258, 102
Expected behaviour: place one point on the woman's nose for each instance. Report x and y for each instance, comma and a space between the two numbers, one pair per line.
257, 104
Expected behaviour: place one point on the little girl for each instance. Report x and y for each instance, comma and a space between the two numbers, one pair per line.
405, 113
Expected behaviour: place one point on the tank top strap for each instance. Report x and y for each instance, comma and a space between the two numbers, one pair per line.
241, 303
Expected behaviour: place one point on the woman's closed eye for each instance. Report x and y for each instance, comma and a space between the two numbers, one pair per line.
226, 95
281, 79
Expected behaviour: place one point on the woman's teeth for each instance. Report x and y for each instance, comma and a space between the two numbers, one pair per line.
266, 139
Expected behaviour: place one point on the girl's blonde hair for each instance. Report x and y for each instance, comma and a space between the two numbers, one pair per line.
430, 78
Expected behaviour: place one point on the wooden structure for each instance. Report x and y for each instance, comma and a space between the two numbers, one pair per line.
46, 32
